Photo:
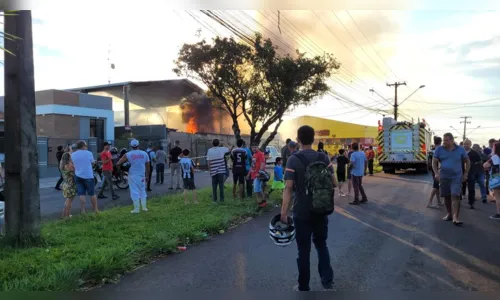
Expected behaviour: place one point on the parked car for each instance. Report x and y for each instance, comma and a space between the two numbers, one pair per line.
273, 153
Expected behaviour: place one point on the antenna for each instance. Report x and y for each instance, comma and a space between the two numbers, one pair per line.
111, 65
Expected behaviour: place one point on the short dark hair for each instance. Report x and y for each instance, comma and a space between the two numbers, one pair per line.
255, 144
216, 143
449, 135
371, 147
341, 151
240, 143
278, 160
321, 146
288, 141
60, 148
80, 144
491, 141
185, 152
438, 140
355, 146
305, 135
497, 149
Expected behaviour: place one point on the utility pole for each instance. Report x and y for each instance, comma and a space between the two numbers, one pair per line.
396, 85
465, 125
22, 196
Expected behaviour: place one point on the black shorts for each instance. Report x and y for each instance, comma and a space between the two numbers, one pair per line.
435, 184
239, 177
341, 176
188, 183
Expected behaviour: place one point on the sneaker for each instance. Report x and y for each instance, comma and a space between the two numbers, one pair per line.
495, 217
101, 197
144, 209
134, 211
115, 197
296, 289
354, 203
363, 201
329, 287
432, 206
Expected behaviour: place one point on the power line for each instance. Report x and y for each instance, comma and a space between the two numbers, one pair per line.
369, 43
465, 125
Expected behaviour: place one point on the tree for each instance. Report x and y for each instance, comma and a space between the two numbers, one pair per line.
285, 82
21, 159
254, 81
224, 67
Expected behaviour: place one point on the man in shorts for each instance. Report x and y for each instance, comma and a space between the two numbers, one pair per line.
450, 176
239, 158
83, 160
435, 185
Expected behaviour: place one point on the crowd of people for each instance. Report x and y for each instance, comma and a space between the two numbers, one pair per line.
458, 168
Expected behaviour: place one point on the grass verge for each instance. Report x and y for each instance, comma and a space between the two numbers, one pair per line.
92, 249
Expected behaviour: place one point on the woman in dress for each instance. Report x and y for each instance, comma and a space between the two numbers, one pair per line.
69, 186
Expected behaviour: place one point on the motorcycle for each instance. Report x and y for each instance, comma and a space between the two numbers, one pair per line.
119, 175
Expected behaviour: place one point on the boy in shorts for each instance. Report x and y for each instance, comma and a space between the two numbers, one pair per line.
187, 168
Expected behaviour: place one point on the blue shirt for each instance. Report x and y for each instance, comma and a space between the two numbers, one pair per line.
278, 173
487, 151
83, 159
451, 161
138, 160
249, 159
358, 160
186, 164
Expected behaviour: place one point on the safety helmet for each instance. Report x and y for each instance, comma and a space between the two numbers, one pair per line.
281, 234
264, 176
113, 150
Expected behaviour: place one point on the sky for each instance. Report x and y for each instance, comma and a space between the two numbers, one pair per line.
455, 54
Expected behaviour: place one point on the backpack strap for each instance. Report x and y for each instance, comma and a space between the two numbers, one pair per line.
302, 159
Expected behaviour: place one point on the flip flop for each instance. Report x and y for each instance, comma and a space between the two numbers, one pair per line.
447, 219
459, 223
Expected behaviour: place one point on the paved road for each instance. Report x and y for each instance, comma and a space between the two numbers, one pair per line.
52, 201
392, 243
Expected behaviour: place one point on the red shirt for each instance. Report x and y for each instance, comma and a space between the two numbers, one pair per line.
370, 154
257, 159
109, 165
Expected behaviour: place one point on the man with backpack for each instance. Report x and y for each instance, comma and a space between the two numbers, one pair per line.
311, 174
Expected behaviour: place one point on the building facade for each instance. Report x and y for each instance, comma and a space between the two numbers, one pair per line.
64, 117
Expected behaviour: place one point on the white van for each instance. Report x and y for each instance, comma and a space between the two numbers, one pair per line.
273, 153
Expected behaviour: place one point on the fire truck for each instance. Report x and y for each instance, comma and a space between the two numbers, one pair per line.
403, 145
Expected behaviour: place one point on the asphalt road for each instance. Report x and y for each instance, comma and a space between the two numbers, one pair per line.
52, 201
392, 243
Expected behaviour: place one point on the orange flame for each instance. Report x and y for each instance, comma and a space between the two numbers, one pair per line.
191, 126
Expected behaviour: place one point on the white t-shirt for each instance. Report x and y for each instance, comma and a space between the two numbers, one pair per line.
138, 160
217, 161
83, 159
186, 164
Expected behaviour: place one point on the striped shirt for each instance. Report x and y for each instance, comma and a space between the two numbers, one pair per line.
217, 161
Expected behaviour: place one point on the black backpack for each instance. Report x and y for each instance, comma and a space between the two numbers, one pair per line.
318, 184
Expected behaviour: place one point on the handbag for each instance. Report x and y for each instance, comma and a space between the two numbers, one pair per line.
494, 182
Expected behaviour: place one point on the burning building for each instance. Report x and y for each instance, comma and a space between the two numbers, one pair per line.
200, 115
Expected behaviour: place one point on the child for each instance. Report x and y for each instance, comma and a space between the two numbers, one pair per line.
278, 183
187, 168
342, 162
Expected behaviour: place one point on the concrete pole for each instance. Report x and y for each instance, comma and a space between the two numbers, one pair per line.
21, 156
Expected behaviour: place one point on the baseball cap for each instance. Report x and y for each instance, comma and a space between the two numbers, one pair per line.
134, 143
292, 144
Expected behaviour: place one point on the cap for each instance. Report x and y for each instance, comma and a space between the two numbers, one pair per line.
106, 144
134, 143
292, 144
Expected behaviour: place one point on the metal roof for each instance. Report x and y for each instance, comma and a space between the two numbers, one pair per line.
121, 84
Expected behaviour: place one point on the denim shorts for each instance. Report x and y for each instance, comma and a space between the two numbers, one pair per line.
85, 186
257, 185
450, 187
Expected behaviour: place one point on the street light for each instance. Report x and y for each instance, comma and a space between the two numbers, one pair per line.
455, 129
420, 87
373, 91
474, 129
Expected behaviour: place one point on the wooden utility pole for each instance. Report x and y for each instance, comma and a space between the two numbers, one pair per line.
465, 126
22, 197
396, 85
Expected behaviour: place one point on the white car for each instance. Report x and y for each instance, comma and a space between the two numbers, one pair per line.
273, 153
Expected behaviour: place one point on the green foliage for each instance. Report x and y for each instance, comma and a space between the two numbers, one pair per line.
92, 249
255, 81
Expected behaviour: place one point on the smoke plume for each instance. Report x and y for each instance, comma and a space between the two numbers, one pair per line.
197, 113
